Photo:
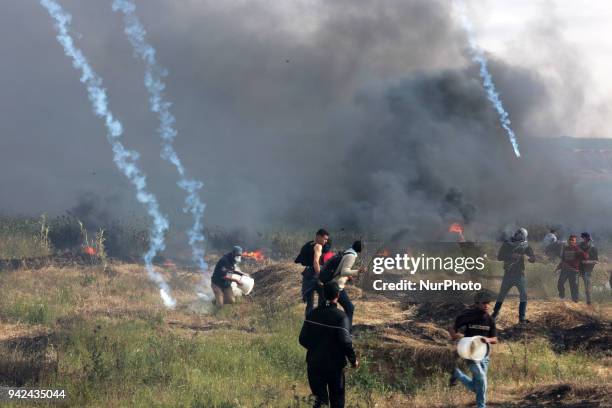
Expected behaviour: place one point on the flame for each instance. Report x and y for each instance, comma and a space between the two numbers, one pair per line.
457, 229
384, 252
89, 250
256, 255
169, 264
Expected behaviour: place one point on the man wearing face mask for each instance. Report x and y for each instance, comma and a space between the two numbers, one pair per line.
513, 253
222, 277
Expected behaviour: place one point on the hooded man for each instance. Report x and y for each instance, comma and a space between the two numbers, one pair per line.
587, 265
550, 244
571, 259
221, 280
513, 253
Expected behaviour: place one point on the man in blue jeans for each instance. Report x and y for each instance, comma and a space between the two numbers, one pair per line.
475, 321
513, 253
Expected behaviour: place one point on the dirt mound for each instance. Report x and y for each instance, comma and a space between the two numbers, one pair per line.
403, 341
280, 281
25, 355
566, 326
563, 396
440, 312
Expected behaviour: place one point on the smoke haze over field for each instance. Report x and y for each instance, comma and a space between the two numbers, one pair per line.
349, 113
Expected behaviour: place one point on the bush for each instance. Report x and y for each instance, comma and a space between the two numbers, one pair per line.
65, 232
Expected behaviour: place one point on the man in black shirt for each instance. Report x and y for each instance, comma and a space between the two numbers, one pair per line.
513, 253
326, 336
310, 257
221, 280
475, 321
587, 266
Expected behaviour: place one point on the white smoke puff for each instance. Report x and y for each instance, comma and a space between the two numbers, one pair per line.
155, 87
167, 298
123, 158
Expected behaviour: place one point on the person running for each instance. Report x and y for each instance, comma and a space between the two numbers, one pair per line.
475, 321
310, 257
513, 253
587, 265
571, 258
344, 274
326, 337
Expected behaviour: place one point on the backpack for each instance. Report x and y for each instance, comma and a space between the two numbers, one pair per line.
329, 270
306, 255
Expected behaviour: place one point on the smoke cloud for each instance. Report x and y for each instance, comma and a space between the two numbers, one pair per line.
352, 114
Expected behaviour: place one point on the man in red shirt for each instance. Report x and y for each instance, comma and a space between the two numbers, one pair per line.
571, 258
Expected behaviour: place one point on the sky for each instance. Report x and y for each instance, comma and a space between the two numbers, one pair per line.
504, 29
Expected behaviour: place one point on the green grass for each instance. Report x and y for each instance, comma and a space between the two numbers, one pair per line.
534, 361
23, 237
138, 364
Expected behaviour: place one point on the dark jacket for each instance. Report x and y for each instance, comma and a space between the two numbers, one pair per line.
226, 264
325, 334
513, 255
591, 251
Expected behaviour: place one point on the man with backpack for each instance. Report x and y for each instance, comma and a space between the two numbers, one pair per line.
339, 269
310, 257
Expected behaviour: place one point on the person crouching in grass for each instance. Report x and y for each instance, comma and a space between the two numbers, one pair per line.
475, 321
221, 279
326, 337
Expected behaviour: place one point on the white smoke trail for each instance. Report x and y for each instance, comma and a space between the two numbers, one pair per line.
155, 86
487, 81
123, 158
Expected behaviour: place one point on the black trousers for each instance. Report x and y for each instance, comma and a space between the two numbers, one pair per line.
327, 386
572, 277
309, 298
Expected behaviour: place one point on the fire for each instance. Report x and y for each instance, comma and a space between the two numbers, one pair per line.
457, 229
384, 252
89, 250
169, 264
256, 255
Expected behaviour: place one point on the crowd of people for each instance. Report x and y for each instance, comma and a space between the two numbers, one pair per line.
326, 332
576, 261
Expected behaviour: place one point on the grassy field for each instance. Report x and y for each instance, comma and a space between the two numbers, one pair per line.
101, 333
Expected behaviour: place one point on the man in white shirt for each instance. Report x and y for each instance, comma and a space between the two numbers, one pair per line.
344, 273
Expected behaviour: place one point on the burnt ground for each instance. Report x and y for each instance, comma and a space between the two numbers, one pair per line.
25, 354
561, 396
